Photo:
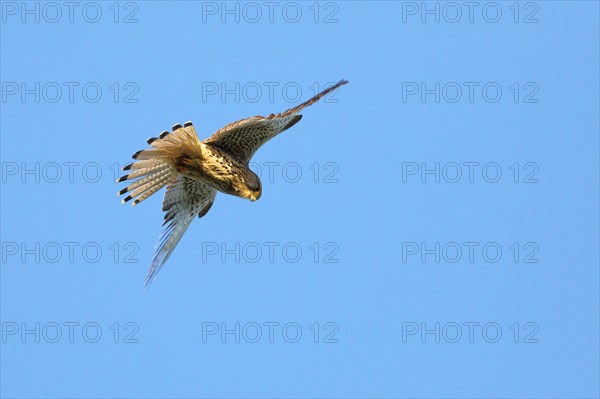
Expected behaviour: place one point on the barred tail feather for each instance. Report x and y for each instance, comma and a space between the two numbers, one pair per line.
154, 167
147, 181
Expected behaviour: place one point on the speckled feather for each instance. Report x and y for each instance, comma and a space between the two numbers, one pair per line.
244, 137
184, 199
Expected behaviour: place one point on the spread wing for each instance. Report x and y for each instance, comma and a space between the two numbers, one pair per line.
244, 137
185, 198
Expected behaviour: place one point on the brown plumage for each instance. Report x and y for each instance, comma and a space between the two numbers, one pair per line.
195, 170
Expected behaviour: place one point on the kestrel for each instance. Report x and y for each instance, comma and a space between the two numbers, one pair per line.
194, 171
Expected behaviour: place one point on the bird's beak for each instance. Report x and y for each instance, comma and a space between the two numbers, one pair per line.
254, 196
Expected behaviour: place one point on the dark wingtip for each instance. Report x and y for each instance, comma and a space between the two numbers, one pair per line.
122, 191
292, 122
122, 178
163, 134
128, 166
176, 126
151, 140
134, 156
126, 199
188, 124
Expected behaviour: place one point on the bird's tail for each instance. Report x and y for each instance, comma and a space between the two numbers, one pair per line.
155, 166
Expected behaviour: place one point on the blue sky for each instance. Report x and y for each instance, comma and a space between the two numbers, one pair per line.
429, 230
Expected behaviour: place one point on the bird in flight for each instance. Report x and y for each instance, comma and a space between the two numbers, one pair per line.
194, 171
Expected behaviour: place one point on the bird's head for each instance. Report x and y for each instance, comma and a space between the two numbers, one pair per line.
251, 187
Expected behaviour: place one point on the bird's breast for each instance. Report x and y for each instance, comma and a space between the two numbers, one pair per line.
220, 169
